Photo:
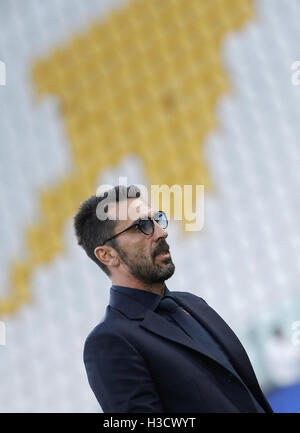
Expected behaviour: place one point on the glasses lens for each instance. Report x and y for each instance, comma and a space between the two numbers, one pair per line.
146, 226
161, 219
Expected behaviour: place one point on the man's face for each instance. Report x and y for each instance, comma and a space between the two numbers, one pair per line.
146, 256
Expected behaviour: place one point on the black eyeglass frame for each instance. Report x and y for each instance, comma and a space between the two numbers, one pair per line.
138, 222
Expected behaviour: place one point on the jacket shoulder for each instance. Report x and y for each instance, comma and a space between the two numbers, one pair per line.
107, 334
190, 296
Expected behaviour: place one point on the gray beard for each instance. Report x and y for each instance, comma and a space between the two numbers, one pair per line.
148, 273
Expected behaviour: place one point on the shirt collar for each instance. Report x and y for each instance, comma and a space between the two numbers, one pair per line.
148, 299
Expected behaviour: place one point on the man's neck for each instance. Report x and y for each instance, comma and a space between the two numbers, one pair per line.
157, 288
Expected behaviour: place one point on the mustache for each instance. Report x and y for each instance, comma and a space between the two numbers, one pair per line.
162, 247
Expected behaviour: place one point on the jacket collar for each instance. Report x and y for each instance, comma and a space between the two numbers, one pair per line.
129, 306
146, 298
154, 323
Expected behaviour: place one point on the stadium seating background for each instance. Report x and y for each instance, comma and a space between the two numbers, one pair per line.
196, 92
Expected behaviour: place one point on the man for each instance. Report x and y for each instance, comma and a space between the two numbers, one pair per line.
156, 350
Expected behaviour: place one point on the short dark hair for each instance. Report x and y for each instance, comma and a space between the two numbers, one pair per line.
92, 231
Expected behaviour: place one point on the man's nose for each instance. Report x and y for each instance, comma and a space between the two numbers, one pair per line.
159, 232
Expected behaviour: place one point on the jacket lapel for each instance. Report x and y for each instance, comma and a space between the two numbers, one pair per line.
223, 334
153, 322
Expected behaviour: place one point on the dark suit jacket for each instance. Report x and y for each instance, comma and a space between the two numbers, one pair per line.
137, 361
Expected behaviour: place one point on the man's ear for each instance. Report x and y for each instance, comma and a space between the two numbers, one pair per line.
107, 255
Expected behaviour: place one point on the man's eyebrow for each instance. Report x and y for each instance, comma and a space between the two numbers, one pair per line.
144, 217
149, 216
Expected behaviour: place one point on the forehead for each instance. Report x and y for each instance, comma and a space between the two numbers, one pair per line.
130, 210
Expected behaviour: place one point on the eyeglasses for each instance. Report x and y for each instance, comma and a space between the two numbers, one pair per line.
146, 224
